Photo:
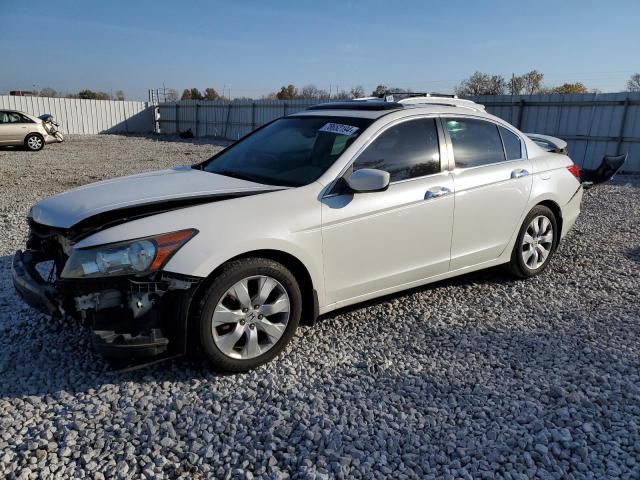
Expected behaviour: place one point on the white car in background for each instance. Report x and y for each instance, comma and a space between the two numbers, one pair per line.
21, 129
338, 204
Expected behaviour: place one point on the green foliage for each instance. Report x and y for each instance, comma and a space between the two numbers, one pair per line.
570, 88
91, 95
290, 92
211, 94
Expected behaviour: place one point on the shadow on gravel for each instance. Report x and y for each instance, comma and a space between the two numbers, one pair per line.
633, 254
40, 355
496, 275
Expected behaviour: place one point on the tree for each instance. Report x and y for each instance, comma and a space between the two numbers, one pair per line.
312, 92
171, 95
482, 84
357, 92
195, 94
532, 82
633, 84
515, 85
290, 92
119, 95
47, 92
570, 88
186, 94
379, 91
91, 95
211, 94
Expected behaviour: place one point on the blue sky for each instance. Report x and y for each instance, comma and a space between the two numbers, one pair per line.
254, 47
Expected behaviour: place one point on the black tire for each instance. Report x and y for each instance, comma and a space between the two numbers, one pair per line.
34, 142
517, 265
230, 274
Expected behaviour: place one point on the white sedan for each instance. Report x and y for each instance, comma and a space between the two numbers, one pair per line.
325, 208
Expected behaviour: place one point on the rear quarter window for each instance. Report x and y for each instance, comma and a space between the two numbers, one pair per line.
512, 144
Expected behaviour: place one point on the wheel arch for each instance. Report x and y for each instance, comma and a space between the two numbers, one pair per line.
29, 134
557, 211
310, 305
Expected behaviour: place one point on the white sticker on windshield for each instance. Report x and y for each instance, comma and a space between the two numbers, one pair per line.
339, 129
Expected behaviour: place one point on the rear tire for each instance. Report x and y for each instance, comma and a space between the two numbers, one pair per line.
34, 142
248, 314
535, 244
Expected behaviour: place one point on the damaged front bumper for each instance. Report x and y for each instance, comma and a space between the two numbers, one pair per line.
130, 317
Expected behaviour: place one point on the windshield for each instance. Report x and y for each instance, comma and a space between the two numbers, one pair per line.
292, 151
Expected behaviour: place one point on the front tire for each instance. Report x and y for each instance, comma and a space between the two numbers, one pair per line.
536, 242
249, 314
34, 142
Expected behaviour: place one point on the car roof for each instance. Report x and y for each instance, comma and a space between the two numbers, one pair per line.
408, 109
374, 108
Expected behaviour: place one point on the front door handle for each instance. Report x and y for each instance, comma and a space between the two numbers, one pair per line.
436, 192
519, 172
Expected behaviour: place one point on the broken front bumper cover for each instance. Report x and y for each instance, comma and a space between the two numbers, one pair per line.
130, 319
31, 287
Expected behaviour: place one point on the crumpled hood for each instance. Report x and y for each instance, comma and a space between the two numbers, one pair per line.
181, 183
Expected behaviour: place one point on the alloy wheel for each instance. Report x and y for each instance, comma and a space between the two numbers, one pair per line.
537, 242
34, 143
251, 317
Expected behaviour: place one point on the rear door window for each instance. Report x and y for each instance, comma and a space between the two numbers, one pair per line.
475, 142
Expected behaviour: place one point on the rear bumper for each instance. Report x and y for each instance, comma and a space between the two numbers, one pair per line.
122, 328
571, 211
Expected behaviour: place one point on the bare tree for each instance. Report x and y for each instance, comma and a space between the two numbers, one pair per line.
633, 84
357, 92
312, 92
119, 95
171, 95
515, 85
482, 84
533, 82
47, 92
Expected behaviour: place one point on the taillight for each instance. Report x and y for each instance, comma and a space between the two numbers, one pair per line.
574, 170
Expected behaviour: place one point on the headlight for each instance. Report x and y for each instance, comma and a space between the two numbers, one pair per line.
133, 257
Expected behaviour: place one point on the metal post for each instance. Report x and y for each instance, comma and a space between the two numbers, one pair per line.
226, 124
177, 119
284, 110
197, 118
520, 112
253, 116
622, 125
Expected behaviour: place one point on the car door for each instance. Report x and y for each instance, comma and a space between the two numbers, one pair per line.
377, 242
13, 128
4, 128
492, 177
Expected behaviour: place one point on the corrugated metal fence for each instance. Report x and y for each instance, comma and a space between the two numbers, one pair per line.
87, 116
592, 124
229, 120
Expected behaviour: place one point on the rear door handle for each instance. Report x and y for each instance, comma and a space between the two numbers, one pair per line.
519, 172
436, 192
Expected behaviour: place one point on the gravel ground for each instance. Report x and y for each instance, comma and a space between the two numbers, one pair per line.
477, 377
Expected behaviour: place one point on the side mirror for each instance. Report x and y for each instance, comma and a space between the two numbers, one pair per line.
368, 180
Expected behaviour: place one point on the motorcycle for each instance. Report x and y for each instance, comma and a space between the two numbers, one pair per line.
51, 126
